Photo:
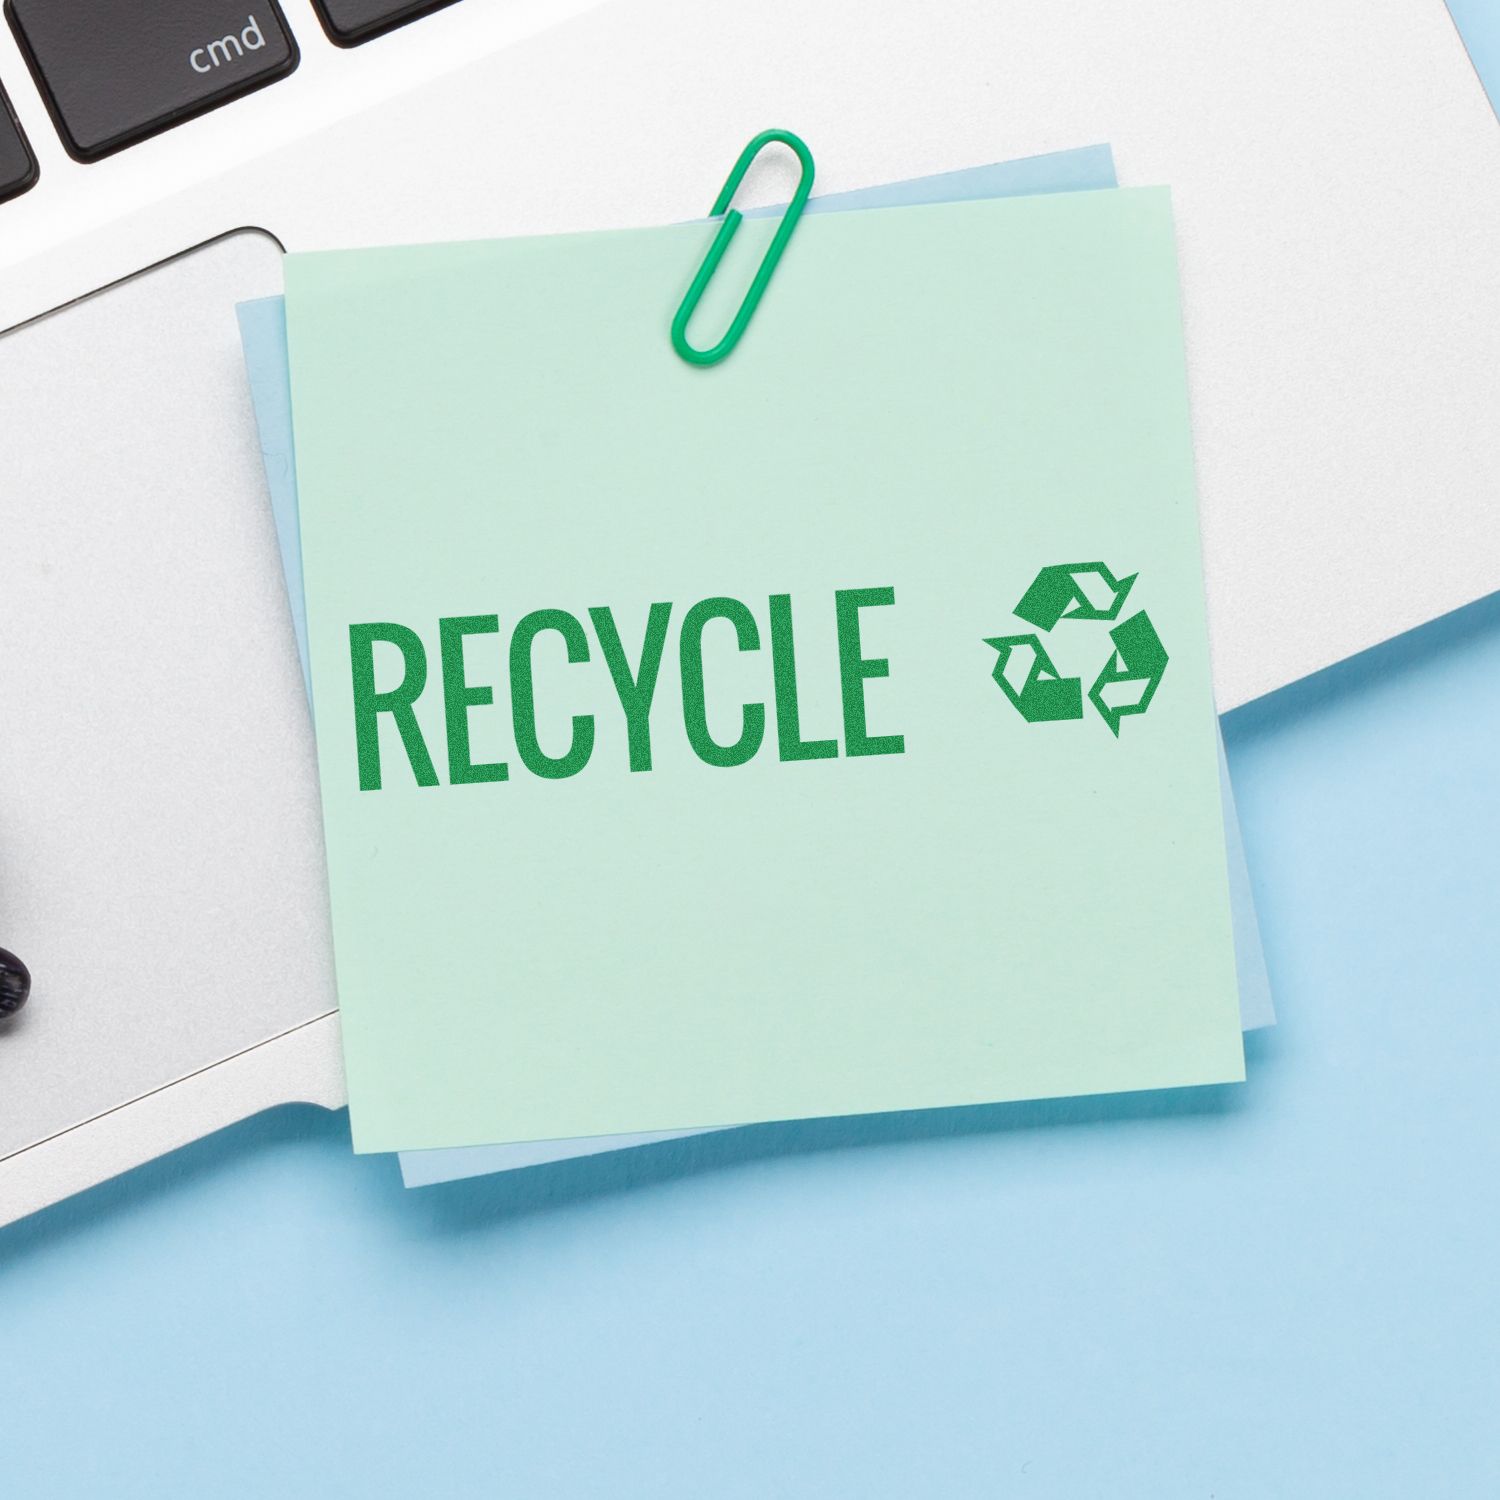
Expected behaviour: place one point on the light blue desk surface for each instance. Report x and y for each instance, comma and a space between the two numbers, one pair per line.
1282, 1290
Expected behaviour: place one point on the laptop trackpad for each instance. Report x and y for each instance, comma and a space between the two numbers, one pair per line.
161, 867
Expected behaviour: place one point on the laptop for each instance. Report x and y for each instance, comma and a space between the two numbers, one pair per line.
160, 855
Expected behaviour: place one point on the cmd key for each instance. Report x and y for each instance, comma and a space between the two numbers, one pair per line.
115, 71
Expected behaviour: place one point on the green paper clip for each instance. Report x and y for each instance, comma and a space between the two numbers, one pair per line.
721, 244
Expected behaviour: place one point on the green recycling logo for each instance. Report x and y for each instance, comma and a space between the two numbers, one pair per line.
1032, 681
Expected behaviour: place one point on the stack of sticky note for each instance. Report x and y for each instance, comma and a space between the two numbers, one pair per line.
825, 732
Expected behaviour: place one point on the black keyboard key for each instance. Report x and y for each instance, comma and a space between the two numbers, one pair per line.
116, 71
350, 22
17, 164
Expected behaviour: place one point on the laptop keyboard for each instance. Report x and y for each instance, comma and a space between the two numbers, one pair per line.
17, 165
350, 22
113, 72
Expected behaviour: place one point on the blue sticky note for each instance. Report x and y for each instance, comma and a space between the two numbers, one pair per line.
263, 337
1478, 23
263, 334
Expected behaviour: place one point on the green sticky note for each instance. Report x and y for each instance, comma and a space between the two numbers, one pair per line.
829, 731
